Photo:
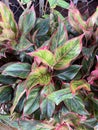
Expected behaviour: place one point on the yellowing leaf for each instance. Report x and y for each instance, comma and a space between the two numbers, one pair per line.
39, 76
45, 56
75, 19
68, 52
7, 19
78, 84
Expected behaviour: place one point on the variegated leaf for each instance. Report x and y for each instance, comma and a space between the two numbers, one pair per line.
68, 52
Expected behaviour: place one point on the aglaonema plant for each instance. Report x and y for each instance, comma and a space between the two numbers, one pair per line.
51, 83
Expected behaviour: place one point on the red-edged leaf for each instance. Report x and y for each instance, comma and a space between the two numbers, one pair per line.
92, 79
75, 19
59, 37
38, 76
44, 56
65, 54
78, 84
93, 19
27, 20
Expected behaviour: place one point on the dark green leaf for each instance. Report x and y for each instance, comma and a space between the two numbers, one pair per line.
69, 73
60, 95
46, 105
42, 27
7, 79
6, 94
18, 95
20, 70
27, 21
75, 104
32, 102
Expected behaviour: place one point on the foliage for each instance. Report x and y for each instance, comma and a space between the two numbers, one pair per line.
48, 73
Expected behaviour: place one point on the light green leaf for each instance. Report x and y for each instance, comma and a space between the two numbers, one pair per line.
60, 95
61, 3
46, 105
45, 56
20, 70
65, 54
25, 1
32, 102
38, 76
27, 21
78, 84
18, 95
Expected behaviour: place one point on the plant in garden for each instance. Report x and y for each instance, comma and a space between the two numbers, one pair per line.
50, 82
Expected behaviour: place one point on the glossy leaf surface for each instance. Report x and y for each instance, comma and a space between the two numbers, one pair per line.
20, 70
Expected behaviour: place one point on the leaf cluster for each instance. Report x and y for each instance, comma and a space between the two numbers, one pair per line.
49, 70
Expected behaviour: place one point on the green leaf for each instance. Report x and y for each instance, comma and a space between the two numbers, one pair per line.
25, 1
78, 84
75, 104
45, 56
34, 125
93, 19
6, 93
18, 95
32, 102
61, 3
42, 27
27, 21
69, 73
38, 76
59, 37
60, 95
65, 54
23, 44
46, 105
20, 70
7, 79
75, 19
7, 20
